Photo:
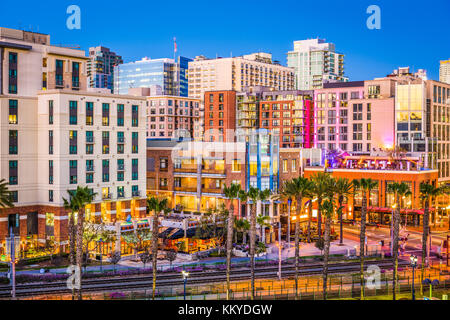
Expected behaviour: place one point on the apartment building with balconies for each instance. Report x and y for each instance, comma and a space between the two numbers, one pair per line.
56, 137
236, 73
172, 117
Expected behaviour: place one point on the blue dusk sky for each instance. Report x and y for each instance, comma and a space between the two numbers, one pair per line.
413, 33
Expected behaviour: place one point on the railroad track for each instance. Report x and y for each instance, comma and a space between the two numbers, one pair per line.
174, 279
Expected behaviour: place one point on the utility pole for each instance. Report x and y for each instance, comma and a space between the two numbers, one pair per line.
289, 224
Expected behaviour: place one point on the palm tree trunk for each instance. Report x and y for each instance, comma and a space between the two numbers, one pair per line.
426, 217
154, 252
319, 218
395, 247
229, 246
309, 221
79, 256
362, 241
72, 243
341, 227
326, 253
252, 248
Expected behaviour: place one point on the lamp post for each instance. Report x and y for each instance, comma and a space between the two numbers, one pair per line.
185, 275
448, 216
413, 263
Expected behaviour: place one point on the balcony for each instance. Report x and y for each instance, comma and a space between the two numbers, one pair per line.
136, 193
186, 170
106, 196
121, 194
186, 189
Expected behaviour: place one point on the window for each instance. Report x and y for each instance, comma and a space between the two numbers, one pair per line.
163, 182
73, 106
294, 165
163, 163
105, 170
50, 112
373, 91
50, 195
354, 95
134, 115
134, 169
285, 165
50, 142
89, 113
73, 142
75, 75
105, 142
134, 142
13, 141
13, 112
105, 114
236, 166
12, 87
73, 168
50, 171
357, 147
89, 149
120, 192
357, 111
120, 115
357, 131
13, 174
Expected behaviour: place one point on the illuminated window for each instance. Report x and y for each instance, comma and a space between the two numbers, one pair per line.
236, 166
12, 111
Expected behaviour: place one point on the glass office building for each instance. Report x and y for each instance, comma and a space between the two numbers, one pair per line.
164, 75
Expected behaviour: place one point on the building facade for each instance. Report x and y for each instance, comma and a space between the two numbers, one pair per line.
288, 114
170, 117
444, 71
164, 76
236, 73
100, 67
315, 62
55, 136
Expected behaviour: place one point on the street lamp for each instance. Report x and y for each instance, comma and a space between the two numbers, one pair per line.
185, 275
413, 263
448, 216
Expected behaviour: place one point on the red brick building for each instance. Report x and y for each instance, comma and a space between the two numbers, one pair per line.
220, 115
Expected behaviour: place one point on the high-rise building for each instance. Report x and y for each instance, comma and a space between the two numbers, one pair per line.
55, 136
444, 71
315, 62
100, 67
163, 75
236, 73
170, 117
288, 114
373, 116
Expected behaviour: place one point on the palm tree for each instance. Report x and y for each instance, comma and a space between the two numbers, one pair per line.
5, 195
343, 188
231, 193
263, 223
320, 188
79, 198
427, 193
254, 195
328, 210
157, 206
298, 188
399, 190
365, 186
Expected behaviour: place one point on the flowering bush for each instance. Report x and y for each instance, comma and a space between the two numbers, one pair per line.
116, 295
